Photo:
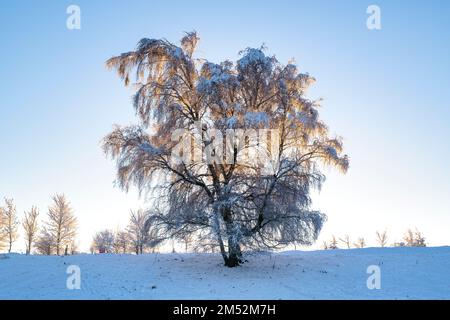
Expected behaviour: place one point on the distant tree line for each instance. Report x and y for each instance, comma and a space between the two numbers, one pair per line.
410, 239
56, 236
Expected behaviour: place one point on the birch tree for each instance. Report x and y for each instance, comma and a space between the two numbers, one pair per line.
62, 224
225, 195
45, 244
333, 243
10, 223
121, 242
137, 232
30, 227
382, 238
414, 238
2, 229
360, 243
346, 240
103, 241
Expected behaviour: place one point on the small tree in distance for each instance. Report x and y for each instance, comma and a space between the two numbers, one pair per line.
224, 196
103, 241
382, 238
45, 242
360, 243
121, 242
346, 241
333, 243
11, 223
2, 228
61, 224
30, 227
414, 238
137, 231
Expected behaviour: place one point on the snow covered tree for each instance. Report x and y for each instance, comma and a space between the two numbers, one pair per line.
2, 229
382, 238
360, 243
419, 239
72, 248
121, 242
62, 224
185, 106
137, 230
346, 240
333, 243
187, 240
30, 227
103, 241
45, 243
414, 238
10, 223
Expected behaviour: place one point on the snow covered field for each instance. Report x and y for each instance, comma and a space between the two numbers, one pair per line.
406, 273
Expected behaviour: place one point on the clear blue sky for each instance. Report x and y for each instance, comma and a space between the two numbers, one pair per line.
386, 92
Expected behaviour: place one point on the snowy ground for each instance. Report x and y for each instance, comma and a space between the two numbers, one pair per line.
406, 273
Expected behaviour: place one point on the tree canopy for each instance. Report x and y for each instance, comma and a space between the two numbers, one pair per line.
260, 139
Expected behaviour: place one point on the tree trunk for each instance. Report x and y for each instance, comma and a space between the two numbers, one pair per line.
234, 253
234, 256
219, 237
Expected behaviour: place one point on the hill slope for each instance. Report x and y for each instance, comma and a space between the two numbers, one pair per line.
406, 273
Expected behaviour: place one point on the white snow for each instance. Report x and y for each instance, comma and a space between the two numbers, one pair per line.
406, 273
